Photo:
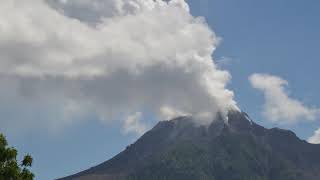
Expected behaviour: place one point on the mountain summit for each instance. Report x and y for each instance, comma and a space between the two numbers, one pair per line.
237, 150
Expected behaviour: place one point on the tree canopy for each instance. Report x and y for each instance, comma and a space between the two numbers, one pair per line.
10, 168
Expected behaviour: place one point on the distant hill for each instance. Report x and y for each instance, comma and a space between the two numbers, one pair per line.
237, 150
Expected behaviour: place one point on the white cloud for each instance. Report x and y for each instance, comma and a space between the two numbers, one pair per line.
279, 107
133, 124
120, 57
168, 113
95, 11
315, 139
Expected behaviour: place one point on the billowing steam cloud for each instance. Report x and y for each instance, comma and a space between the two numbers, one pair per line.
67, 60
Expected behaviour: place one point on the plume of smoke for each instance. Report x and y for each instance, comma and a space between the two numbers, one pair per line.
67, 60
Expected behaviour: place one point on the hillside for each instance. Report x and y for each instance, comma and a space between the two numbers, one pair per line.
239, 150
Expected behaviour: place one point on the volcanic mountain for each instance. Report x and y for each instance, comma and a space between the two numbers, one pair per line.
235, 150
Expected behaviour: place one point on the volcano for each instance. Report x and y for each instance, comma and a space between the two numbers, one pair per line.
238, 149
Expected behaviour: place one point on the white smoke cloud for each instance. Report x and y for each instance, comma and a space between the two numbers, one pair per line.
315, 139
65, 60
279, 107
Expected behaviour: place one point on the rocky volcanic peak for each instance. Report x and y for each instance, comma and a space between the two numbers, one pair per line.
238, 149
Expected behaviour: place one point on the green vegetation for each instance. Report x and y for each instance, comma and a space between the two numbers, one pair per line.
228, 157
10, 169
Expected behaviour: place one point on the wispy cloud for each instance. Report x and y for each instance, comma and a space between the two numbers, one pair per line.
279, 107
315, 139
133, 124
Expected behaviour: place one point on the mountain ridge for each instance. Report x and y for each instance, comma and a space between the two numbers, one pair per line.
237, 150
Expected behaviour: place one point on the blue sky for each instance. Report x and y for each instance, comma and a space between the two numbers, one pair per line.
275, 37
